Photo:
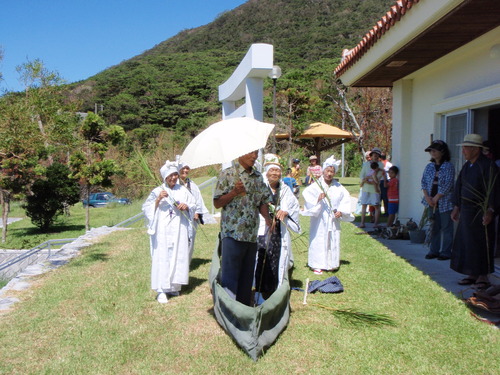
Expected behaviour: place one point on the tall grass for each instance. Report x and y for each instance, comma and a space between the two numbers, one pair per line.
97, 315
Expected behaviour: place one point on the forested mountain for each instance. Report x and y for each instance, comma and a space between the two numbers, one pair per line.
174, 85
153, 103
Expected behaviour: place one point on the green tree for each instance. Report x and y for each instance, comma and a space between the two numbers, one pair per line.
21, 148
50, 195
48, 107
35, 125
89, 164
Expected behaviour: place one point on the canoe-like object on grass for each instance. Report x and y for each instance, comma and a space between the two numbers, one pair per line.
254, 329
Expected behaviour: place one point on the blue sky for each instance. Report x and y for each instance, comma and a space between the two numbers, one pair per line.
79, 38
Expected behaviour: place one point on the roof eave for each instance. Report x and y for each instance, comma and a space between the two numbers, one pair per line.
429, 31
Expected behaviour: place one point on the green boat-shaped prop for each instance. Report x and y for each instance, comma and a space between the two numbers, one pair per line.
254, 329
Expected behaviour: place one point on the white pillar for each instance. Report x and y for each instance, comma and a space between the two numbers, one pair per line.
401, 143
255, 98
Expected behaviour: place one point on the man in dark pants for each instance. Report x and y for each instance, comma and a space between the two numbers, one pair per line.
242, 194
475, 200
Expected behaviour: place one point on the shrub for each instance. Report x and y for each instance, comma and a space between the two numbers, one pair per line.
50, 196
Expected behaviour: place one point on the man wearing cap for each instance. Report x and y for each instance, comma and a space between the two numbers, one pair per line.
328, 203
369, 195
242, 195
475, 201
168, 210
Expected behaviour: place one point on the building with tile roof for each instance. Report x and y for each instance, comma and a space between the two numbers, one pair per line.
442, 60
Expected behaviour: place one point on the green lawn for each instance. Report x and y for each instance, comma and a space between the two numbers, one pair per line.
24, 235
97, 315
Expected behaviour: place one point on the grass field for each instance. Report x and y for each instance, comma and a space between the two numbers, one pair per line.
24, 235
97, 315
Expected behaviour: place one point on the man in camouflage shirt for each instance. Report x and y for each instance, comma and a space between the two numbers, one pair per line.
242, 194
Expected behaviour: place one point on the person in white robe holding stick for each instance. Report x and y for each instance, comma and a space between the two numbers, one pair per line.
169, 209
328, 203
274, 256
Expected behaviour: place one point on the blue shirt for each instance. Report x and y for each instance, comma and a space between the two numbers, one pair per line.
290, 181
446, 180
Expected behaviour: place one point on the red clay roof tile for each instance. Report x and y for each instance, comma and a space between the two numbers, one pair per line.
349, 57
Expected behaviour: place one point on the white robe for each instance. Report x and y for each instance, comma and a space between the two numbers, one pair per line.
324, 233
290, 204
199, 209
168, 228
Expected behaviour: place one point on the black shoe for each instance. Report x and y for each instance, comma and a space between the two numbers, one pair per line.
443, 257
431, 256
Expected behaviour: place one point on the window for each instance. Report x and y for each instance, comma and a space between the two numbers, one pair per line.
456, 126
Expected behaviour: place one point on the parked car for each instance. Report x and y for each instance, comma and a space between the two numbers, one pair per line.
104, 198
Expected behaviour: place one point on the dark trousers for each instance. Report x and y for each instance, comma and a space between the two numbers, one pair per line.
237, 268
383, 198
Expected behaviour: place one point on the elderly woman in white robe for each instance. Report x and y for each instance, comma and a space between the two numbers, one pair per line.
168, 210
328, 203
275, 246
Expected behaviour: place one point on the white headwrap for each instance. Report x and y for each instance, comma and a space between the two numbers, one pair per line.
331, 162
180, 164
269, 166
168, 168
271, 161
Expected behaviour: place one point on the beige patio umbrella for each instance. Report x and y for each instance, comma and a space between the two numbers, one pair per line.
320, 133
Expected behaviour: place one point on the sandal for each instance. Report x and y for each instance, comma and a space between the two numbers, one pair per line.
318, 271
362, 226
467, 281
481, 285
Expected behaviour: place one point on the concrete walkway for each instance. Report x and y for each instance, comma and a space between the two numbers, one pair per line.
437, 270
10, 220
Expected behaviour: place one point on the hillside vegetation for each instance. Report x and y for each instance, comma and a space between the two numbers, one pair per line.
154, 103
174, 85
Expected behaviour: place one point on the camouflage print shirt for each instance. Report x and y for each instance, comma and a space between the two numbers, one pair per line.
240, 217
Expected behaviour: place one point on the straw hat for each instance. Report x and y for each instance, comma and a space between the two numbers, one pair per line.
474, 140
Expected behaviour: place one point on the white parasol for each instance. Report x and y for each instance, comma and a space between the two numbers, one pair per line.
225, 141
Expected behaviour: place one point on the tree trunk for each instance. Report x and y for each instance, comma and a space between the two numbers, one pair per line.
66, 209
46, 143
5, 202
87, 209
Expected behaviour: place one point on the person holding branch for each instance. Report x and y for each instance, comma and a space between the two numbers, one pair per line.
275, 247
328, 203
169, 209
475, 201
